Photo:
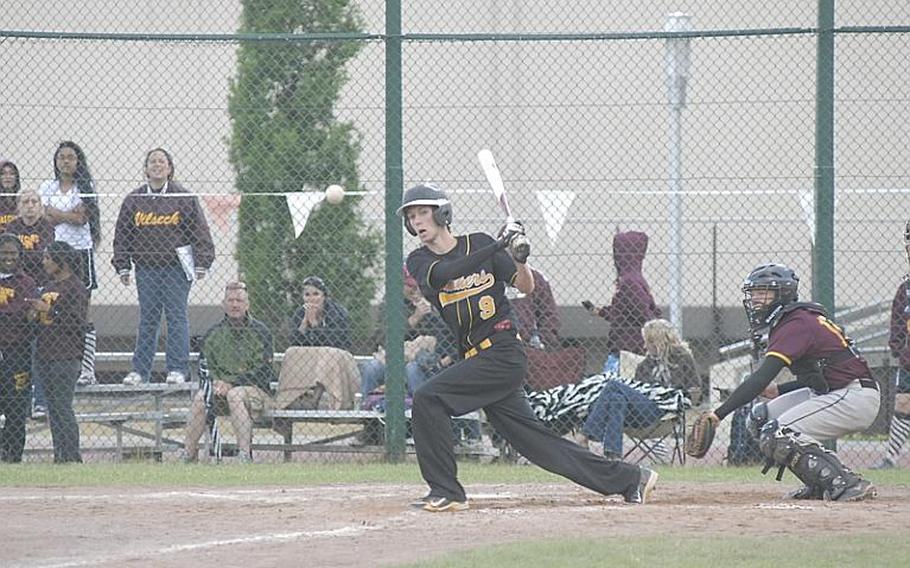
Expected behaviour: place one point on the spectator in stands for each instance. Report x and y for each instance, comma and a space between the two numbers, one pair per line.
538, 326
899, 343
429, 345
61, 312
237, 355
664, 380
9, 187
538, 318
162, 232
70, 203
35, 232
16, 288
320, 321
632, 304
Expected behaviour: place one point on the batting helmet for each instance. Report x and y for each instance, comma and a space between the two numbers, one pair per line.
778, 278
427, 194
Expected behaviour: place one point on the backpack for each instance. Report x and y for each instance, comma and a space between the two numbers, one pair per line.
743, 448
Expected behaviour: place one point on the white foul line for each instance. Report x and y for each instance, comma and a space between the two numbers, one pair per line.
177, 548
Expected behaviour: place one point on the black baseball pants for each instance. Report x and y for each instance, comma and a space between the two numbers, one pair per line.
492, 380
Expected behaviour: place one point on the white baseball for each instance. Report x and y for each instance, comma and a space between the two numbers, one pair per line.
334, 194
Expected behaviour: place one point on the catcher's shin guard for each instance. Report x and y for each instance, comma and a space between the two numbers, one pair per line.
821, 470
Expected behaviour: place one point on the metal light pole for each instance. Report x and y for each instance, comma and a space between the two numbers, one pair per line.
676, 64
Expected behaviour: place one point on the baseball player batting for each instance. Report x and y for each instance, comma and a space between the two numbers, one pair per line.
464, 277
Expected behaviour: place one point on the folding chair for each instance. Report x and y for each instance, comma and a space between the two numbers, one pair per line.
670, 428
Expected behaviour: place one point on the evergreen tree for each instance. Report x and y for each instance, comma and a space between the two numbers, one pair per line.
286, 138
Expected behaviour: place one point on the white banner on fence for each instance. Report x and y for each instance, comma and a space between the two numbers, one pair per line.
555, 206
300, 205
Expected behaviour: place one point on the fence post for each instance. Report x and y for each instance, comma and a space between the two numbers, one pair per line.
395, 377
823, 253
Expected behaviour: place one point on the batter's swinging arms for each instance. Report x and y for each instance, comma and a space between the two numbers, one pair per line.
465, 277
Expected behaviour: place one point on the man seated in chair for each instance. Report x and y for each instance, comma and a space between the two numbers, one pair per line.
237, 357
666, 381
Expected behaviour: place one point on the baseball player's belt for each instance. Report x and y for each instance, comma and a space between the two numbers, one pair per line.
485, 344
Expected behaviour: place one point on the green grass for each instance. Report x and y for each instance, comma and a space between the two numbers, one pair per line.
684, 551
152, 474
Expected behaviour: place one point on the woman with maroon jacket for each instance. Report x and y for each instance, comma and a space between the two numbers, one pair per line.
35, 232
157, 222
15, 348
61, 314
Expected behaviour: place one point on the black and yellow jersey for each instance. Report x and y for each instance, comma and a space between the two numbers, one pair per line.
473, 304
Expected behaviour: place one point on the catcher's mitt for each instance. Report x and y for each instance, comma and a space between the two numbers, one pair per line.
701, 435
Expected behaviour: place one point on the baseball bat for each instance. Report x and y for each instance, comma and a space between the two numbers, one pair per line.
494, 178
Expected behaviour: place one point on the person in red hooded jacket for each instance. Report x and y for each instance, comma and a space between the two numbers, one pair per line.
632, 304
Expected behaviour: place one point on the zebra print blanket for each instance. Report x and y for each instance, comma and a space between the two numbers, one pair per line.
564, 408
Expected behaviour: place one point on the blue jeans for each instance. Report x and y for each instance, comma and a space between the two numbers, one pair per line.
162, 290
372, 375
617, 407
59, 380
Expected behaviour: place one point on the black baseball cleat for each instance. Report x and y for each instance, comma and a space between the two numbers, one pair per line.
639, 493
420, 503
445, 505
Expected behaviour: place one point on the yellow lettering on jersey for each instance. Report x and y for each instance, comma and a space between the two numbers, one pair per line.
833, 328
30, 242
6, 294
487, 307
7, 219
465, 287
141, 219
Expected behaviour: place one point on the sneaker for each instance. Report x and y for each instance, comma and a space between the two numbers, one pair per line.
245, 458
422, 502
86, 380
639, 493
132, 379
39, 412
445, 505
862, 489
175, 378
886, 463
612, 456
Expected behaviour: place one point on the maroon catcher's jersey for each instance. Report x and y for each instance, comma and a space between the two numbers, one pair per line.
805, 333
475, 304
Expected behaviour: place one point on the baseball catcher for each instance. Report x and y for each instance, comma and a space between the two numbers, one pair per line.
833, 394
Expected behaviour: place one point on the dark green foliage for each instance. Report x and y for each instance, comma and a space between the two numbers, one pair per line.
286, 138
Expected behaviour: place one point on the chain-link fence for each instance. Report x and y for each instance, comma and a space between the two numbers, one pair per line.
693, 152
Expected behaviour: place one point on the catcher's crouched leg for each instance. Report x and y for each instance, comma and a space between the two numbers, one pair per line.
821, 470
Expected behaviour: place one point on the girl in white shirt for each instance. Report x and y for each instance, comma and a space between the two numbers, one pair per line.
71, 204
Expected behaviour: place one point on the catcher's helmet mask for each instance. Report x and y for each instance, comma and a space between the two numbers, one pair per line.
430, 195
779, 279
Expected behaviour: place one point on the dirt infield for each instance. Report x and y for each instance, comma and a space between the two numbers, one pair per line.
368, 525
